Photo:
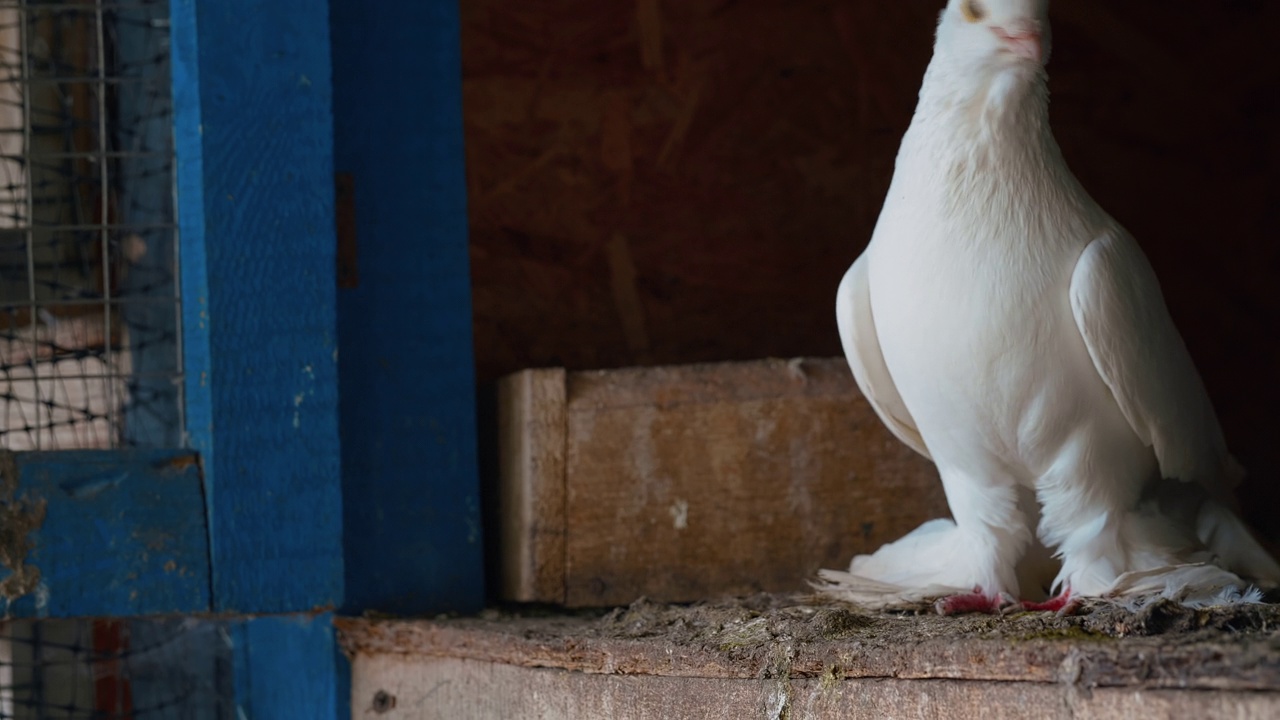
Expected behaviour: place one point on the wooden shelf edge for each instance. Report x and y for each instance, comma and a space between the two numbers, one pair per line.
867, 646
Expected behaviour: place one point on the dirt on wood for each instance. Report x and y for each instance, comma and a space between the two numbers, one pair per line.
744, 626
1161, 646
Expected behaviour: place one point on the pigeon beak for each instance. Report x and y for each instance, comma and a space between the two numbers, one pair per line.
1023, 42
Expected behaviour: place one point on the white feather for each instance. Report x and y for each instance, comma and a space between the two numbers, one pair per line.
1002, 324
862, 347
1137, 351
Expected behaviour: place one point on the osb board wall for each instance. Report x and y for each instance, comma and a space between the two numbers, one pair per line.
657, 181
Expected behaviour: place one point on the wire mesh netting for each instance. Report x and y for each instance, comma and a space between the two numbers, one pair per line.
89, 354
156, 669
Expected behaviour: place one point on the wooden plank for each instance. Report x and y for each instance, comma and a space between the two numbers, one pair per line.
531, 437
803, 656
98, 533
286, 666
184, 69
686, 482
801, 638
423, 688
798, 656
254, 136
407, 377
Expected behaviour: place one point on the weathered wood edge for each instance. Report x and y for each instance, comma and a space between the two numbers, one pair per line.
532, 443
1251, 664
738, 381
449, 688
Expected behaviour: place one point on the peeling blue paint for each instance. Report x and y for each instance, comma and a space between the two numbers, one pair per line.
117, 527
87, 488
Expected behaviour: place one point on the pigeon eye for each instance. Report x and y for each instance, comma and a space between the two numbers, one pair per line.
972, 10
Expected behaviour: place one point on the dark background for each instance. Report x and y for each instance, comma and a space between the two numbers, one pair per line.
666, 182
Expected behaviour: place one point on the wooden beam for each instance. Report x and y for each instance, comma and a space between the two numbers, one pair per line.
680, 483
254, 138
102, 533
286, 666
428, 688
532, 443
791, 656
407, 378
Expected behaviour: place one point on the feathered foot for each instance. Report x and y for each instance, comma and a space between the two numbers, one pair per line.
1192, 584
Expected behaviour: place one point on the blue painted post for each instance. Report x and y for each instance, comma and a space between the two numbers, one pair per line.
407, 376
254, 138
253, 133
286, 668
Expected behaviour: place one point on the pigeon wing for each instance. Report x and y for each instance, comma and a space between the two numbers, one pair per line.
862, 348
1121, 315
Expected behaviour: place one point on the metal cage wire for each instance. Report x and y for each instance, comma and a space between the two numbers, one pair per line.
106, 669
89, 336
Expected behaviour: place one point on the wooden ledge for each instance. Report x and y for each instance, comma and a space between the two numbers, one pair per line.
1220, 661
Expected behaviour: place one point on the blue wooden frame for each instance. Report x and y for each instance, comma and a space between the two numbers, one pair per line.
407, 378
253, 131
248, 522
254, 140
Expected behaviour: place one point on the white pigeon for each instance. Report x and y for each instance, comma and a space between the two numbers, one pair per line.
1004, 326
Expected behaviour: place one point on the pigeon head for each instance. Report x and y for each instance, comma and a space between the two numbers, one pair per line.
995, 34
990, 54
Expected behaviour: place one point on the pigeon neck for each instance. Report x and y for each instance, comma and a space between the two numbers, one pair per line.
986, 138
1001, 103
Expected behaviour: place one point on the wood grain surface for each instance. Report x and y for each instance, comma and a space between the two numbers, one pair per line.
684, 482
779, 656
